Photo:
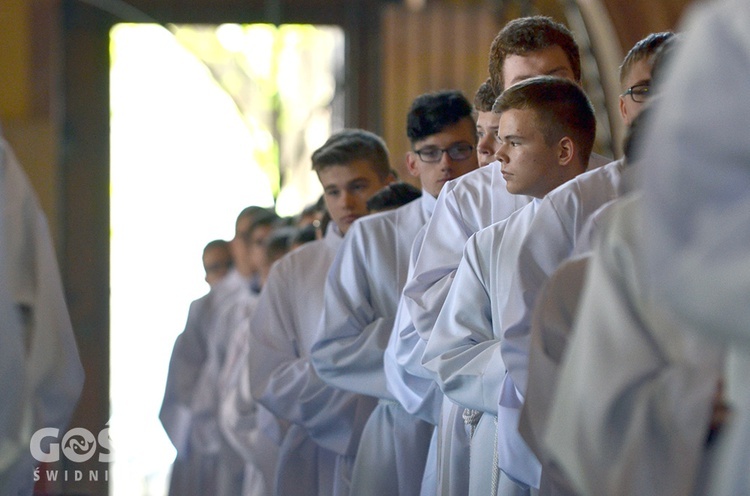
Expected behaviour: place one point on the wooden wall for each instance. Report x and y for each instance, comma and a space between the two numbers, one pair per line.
444, 47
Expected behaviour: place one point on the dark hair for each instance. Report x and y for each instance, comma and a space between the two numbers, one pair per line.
432, 112
304, 234
644, 49
662, 58
279, 242
530, 34
263, 219
485, 96
561, 106
393, 195
349, 145
251, 212
216, 243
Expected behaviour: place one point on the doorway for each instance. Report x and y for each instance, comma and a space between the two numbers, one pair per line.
205, 120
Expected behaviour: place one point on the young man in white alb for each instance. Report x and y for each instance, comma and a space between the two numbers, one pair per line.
317, 452
363, 289
547, 129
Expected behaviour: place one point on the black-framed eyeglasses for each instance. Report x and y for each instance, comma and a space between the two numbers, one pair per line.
639, 93
459, 151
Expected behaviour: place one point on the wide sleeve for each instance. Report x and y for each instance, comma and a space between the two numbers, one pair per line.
417, 392
551, 327
631, 410
445, 236
185, 366
549, 242
462, 352
282, 378
353, 333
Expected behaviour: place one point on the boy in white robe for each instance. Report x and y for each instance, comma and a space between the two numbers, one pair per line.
561, 217
486, 123
48, 371
189, 408
546, 132
317, 452
695, 238
407, 380
525, 47
362, 292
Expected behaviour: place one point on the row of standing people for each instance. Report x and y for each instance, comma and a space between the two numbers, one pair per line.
394, 355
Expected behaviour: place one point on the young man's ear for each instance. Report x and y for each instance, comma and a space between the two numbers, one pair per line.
566, 151
623, 110
411, 164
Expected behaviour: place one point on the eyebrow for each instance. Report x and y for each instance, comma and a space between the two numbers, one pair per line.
641, 82
560, 68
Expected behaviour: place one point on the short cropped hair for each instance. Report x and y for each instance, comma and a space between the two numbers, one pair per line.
216, 243
561, 107
530, 34
349, 145
485, 96
264, 219
393, 195
644, 49
430, 113
661, 59
251, 212
279, 242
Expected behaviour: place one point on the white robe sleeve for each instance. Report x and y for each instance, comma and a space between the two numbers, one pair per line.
282, 377
352, 336
242, 419
462, 352
549, 243
551, 327
185, 364
551, 239
445, 236
407, 379
631, 410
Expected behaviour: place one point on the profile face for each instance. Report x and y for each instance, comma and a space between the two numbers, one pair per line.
346, 189
487, 123
528, 162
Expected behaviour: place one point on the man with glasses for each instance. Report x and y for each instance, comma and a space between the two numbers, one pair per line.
317, 451
362, 293
635, 75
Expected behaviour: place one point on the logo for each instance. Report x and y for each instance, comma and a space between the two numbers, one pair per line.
77, 445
